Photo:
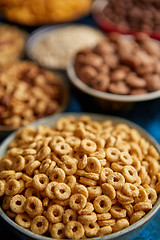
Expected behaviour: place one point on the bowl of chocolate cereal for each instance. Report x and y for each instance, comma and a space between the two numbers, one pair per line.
119, 71
79, 176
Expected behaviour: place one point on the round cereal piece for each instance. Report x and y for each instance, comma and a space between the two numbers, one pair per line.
105, 172
136, 163
62, 191
70, 181
73, 141
19, 163
77, 201
91, 229
102, 204
45, 165
151, 193
69, 166
56, 139
94, 191
130, 190
88, 146
116, 180
55, 213
90, 175
33, 206
142, 197
40, 181
57, 231
39, 225
63, 203
108, 190
93, 165
117, 166
117, 211
2, 187
112, 154
143, 206
124, 198
82, 162
23, 220
120, 224
153, 152
103, 216
109, 222
74, 230
12, 187
6, 202
81, 189
103, 231
57, 175
130, 173
31, 167
87, 181
6, 173
125, 158
31, 191
11, 214
43, 153
88, 209
88, 218
69, 215
137, 216
29, 151
17, 204
50, 190
62, 148
5, 164
129, 209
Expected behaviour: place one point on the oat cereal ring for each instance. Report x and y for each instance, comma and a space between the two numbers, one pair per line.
2, 187
120, 224
112, 154
70, 181
153, 152
79, 188
57, 231
102, 204
109, 222
82, 162
117, 167
117, 211
94, 191
116, 179
63, 203
88, 146
151, 193
77, 201
124, 198
6, 173
88, 218
69, 166
90, 175
142, 197
32, 166
62, 148
19, 163
39, 225
126, 158
74, 230
103, 216
105, 172
6, 202
11, 214
17, 204
43, 153
50, 168
136, 216
5, 164
55, 213
130, 173
29, 151
69, 215
88, 209
108, 190
136, 163
31, 191
143, 206
73, 141
57, 175
23, 220
104, 231
50, 190
93, 165
129, 209
91, 229
136, 150
12, 187
130, 190
40, 181
87, 181
45, 165
33, 206
62, 191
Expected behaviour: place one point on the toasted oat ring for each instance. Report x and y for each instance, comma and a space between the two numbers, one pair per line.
109, 222
69, 215
69, 166
40, 181
82, 162
129, 209
77, 201
130, 190
62, 191
117, 211
151, 193
112, 154
88, 209
50, 190
143, 206
33, 206
19, 163
55, 213
130, 173
57, 231
12, 187
56, 139
93, 165
79, 188
39, 225
124, 198
87, 181
70, 181
5, 164
103, 216
88, 146
105, 172
57, 175
102, 204
6, 202
94, 191
31, 191
73, 141
62, 148
108, 190
120, 224
104, 231
2, 187
17, 204
142, 197
23, 220
88, 218
74, 230
137, 216
6, 173
91, 229
126, 158
43, 153
116, 180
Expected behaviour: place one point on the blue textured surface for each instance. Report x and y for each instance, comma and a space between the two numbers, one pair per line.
147, 115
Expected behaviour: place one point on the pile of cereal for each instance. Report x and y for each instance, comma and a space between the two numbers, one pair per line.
121, 65
27, 92
79, 179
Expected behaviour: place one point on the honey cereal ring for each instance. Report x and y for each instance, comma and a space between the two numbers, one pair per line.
45, 165
39, 225
117, 211
88, 209
105, 172
31, 192
82, 162
129, 209
69, 215
73, 141
74, 230
43, 153
19, 163
69, 166
90, 175
23, 220
116, 179
120, 224
136, 163
12, 187
63, 203
29, 151
62, 148
88, 146
151, 193
143, 206
91, 229
137, 216
11, 214
57, 175
124, 198
130, 190
116, 167
102, 204
136, 150
6, 202
17, 204
2, 187
87, 181
5, 164
31, 167
93, 165
103, 216
108, 190
33, 206
55, 213
153, 152
81, 189
70, 181
50, 168
112, 154
130, 173
88, 218
125, 158
6, 173
57, 231
45, 202
62, 191
77, 201
104, 231
50, 190
94, 191
109, 222
56, 139
40, 181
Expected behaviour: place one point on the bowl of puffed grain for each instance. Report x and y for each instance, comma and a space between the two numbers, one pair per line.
79, 176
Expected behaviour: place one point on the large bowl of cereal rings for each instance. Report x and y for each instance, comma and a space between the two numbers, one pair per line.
118, 72
78, 176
